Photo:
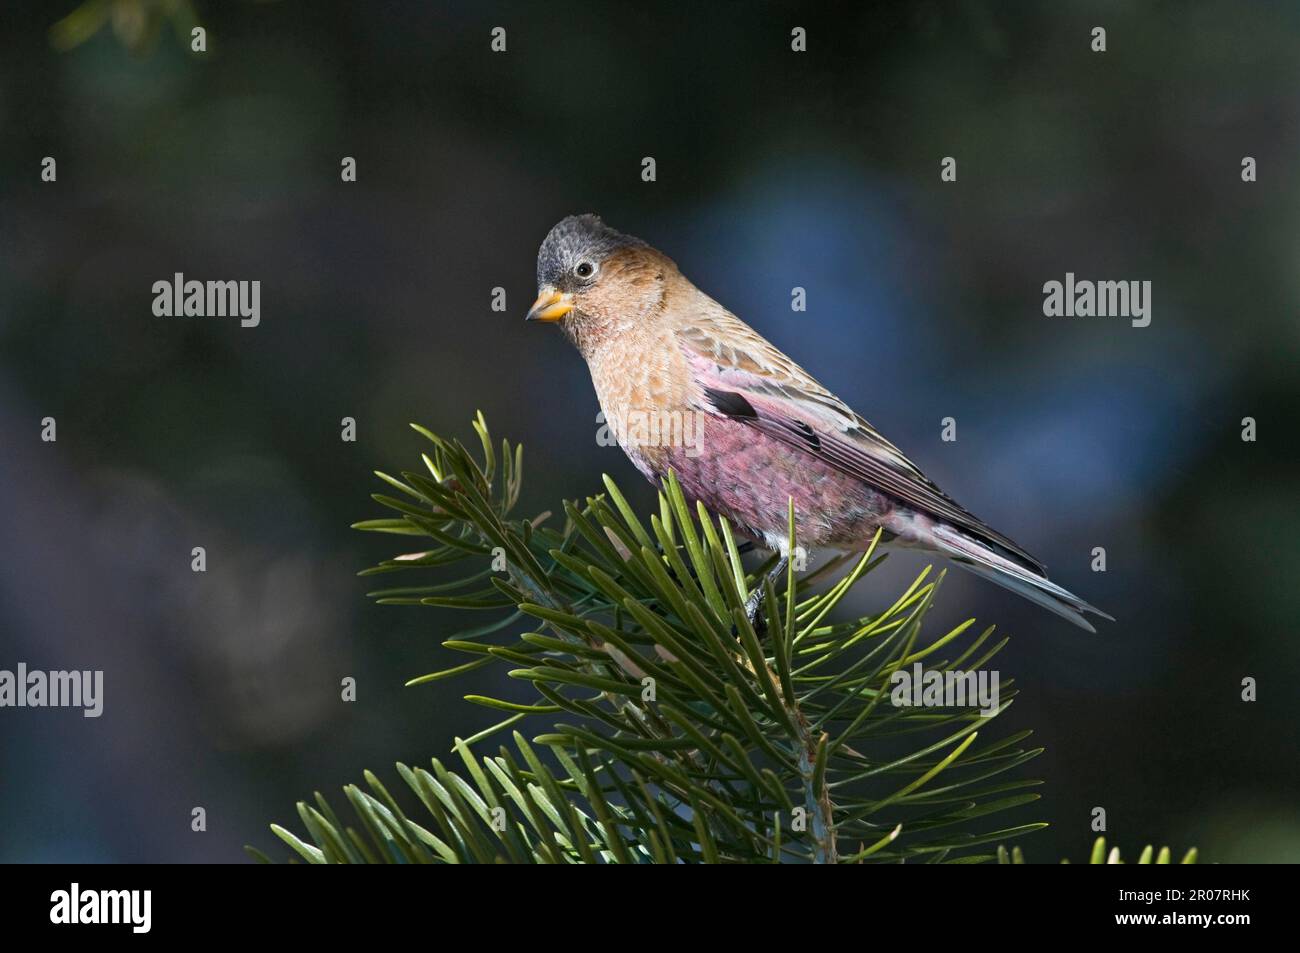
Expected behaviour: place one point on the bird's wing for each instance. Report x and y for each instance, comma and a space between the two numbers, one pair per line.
742, 376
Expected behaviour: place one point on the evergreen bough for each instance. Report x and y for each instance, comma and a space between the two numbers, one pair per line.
680, 733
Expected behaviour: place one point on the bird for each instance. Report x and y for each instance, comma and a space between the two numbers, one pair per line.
686, 386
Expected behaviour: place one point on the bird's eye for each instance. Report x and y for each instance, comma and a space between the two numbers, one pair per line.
584, 269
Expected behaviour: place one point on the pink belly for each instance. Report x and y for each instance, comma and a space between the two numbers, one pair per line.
749, 478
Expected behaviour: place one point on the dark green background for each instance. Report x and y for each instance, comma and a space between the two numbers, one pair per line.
775, 169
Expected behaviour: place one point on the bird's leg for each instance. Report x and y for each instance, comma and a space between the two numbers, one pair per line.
754, 604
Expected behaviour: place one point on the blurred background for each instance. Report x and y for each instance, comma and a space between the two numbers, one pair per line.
775, 169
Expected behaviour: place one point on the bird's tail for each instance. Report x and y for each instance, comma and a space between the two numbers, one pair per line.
984, 560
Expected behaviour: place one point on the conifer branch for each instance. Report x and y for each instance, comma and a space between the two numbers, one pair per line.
678, 733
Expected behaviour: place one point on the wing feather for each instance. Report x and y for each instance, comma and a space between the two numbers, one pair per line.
747, 379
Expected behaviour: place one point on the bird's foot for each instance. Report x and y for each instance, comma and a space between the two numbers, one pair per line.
756, 603
754, 607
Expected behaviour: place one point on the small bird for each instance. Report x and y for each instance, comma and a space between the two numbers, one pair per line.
687, 386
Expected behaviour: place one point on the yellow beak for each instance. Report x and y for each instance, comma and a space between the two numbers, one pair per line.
551, 305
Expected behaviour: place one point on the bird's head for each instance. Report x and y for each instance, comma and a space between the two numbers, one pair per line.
595, 281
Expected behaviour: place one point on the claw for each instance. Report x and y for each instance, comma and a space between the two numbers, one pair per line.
754, 604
